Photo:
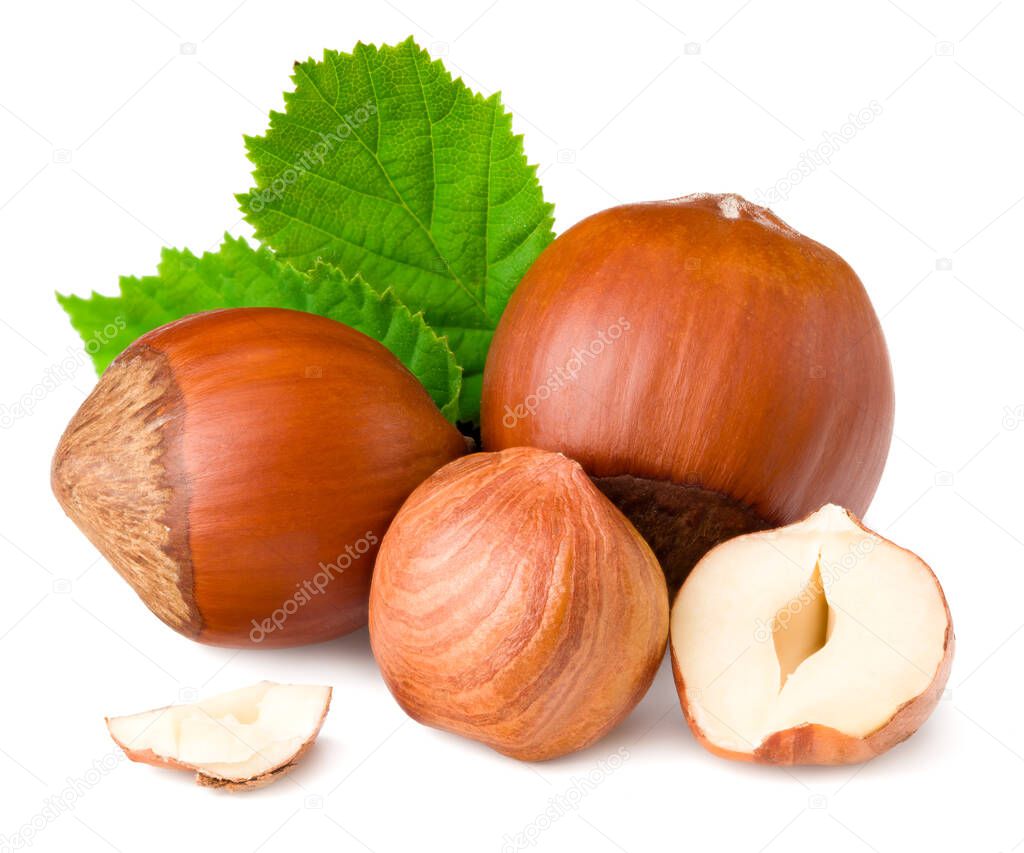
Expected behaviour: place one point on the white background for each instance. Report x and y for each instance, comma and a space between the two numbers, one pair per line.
117, 140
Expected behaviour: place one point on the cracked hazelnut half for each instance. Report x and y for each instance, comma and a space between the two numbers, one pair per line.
817, 643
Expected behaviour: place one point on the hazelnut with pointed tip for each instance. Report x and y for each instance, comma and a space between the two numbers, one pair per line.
514, 604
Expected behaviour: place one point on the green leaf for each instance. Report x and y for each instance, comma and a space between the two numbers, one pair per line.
385, 318
383, 165
239, 276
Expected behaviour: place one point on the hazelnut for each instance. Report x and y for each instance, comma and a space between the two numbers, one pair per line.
514, 604
818, 643
714, 370
239, 468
